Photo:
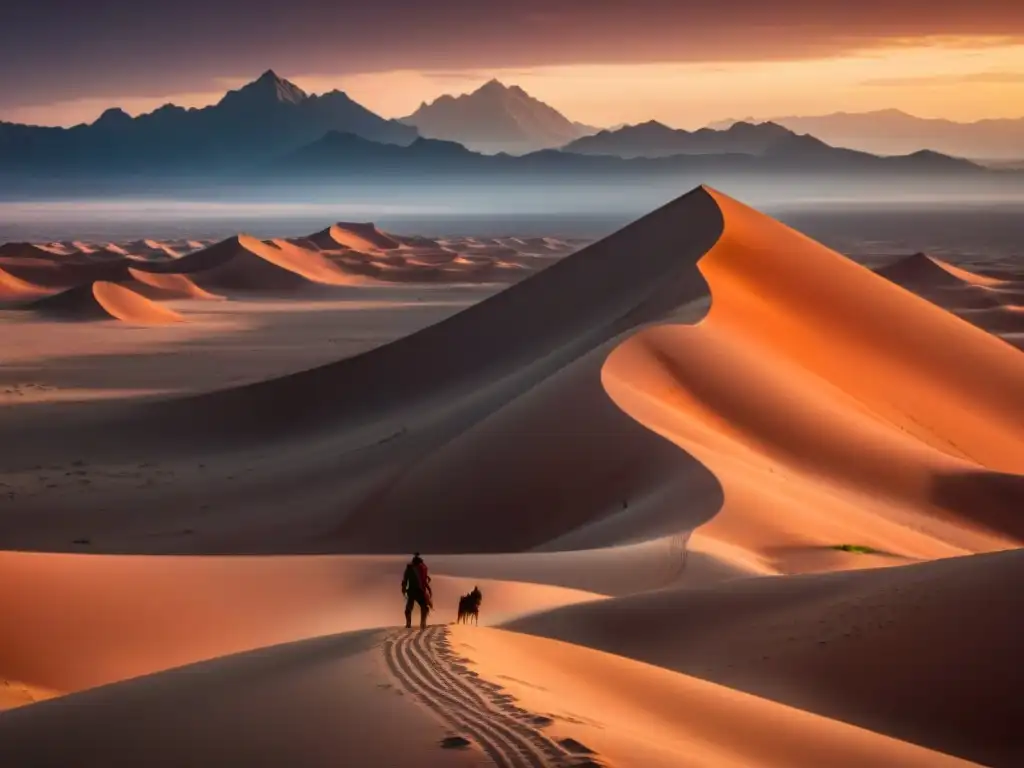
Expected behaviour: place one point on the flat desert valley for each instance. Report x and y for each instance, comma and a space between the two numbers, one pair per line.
732, 499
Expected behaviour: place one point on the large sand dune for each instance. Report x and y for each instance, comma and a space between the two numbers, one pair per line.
702, 396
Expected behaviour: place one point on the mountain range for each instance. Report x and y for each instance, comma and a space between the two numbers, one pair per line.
262, 120
339, 154
654, 139
893, 132
496, 118
271, 130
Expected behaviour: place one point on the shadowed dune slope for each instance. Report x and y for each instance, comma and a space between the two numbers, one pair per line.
26, 251
105, 301
513, 339
926, 653
319, 703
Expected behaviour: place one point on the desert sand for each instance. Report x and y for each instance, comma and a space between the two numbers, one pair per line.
732, 500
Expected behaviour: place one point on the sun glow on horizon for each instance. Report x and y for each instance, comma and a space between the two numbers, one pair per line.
957, 79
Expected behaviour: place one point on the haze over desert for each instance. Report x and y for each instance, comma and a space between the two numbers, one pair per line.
518, 385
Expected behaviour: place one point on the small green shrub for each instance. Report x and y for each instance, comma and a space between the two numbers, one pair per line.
859, 549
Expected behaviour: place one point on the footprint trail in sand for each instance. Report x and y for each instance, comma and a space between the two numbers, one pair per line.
424, 664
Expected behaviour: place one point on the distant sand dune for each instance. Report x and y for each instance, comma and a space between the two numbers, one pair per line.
156, 285
105, 301
151, 248
66, 271
358, 237
14, 289
988, 302
28, 251
244, 263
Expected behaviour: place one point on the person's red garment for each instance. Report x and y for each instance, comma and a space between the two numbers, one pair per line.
424, 578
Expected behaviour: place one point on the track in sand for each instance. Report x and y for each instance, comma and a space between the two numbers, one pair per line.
425, 665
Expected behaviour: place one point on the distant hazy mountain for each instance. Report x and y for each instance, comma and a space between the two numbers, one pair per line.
264, 119
654, 139
340, 154
892, 132
496, 118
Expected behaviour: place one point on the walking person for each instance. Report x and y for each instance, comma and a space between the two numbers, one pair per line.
416, 589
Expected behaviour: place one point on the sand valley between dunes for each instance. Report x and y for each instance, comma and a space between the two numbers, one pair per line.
732, 499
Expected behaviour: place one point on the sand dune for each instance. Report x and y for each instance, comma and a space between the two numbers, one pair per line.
13, 289
673, 719
856, 434
66, 271
878, 446
854, 646
364, 697
156, 285
104, 301
918, 434
971, 278
164, 612
344, 254
357, 237
702, 396
362, 249
148, 247
323, 702
988, 302
243, 263
27, 251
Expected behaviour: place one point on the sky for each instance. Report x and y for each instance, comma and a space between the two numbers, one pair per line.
603, 62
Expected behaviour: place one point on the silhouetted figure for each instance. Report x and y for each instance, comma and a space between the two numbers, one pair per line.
469, 607
416, 588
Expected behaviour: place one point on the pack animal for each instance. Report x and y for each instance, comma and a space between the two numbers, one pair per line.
469, 607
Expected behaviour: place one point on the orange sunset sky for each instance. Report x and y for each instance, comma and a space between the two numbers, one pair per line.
683, 63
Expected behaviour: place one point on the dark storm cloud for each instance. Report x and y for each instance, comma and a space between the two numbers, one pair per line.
59, 49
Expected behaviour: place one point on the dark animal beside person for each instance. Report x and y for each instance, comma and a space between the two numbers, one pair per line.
469, 606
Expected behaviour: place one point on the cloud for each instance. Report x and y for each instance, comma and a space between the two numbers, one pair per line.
986, 78
58, 50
